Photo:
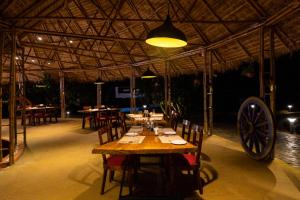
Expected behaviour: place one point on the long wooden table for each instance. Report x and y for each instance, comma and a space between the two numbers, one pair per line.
150, 145
93, 112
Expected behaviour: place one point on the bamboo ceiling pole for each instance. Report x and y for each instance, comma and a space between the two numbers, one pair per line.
166, 85
12, 100
62, 95
210, 93
261, 63
23, 92
205, 126
272, 73
1, 73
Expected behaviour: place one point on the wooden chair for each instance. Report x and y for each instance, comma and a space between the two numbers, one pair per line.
88, 117
186, 130
110, 162
191, 161
174, 120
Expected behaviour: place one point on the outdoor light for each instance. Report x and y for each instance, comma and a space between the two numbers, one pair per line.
166, 35
292, 121
144, 106
99, 81
148, 74
68, 112
252, 106
290, 107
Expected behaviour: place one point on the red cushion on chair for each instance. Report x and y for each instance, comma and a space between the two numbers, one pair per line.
190, 158
115, 160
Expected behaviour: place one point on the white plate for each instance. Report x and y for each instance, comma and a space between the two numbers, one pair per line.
131, 134
170, 133
178, 142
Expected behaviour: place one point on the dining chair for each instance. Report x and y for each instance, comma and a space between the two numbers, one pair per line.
174, 120
186, 130
191, 161
110, 162
88, 117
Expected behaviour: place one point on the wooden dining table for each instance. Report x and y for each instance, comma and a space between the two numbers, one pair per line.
93, 112
151, 144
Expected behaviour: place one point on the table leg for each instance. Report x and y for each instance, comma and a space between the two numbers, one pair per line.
83, 120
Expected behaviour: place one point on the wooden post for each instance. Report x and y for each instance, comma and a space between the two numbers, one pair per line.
132, 91
23, 91
99, 95
62, 95
166, 84
205, 126
272, 73
1, 71
261, 63
12, 100
210, 93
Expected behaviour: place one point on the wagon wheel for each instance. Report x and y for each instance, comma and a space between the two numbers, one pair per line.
255, 126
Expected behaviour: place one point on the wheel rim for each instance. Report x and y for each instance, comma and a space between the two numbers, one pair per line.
256, 128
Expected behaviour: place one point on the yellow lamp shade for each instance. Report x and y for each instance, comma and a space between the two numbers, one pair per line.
167, 36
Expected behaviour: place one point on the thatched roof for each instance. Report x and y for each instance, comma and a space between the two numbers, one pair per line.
84, 38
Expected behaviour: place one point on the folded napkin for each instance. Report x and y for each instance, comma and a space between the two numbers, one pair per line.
169, 139
131, 140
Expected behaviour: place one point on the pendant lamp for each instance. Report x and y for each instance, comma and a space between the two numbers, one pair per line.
99, 81
148, 74
166, 35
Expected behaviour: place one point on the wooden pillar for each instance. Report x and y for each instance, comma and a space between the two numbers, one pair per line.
210, 93
272, 73
166, 84
205, 125
62, 95
23, 92
132, 91
1, 73
99, 95
12, 99
261, 63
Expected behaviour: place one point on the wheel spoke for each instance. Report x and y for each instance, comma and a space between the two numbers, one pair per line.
256, 143
251, 144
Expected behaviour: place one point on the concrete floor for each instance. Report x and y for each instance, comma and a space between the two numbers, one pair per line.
58, 164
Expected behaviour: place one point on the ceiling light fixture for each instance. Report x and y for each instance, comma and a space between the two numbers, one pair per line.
71, 41
49, 63
148, 74
39, 38
166, 35
99, 81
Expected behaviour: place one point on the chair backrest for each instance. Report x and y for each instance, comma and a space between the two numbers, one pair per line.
197, 139
186, 130
174, 120
122, 121
104, 135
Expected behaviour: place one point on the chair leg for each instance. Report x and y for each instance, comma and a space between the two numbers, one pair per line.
196, 173
103, 180
111, 175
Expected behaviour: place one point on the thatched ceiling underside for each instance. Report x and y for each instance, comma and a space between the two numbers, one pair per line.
85, 38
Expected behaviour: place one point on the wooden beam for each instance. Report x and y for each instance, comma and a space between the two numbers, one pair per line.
72, 35
159, 21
